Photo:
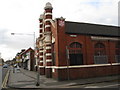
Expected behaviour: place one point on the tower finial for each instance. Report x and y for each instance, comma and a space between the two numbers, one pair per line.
41, 16
48, 6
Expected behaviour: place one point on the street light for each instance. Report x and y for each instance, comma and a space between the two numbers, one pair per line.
37, 81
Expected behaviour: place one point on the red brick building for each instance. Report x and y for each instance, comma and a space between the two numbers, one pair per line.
73, 50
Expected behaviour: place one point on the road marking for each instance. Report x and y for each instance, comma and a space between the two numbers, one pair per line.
111, 85
4, 84
102, 86
92, 87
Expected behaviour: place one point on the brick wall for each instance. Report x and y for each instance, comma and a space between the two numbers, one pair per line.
86, 72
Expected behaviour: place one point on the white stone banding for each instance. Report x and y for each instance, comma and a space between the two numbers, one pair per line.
48, 67
48, 54
41, 66
41, 56
48, 47
41, 33
48, 13
47, 32
46, 26
41, 51
47, 20
82, 66
41, 23
41, 61
104, 38
49, 60
41, 28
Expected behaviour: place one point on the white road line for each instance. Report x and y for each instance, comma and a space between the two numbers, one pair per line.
92, 87
111, 85
4, 84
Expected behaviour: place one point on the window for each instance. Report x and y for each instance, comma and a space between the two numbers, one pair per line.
75, 45
117, 45
100, 56
75, 53
117, 52
99, 45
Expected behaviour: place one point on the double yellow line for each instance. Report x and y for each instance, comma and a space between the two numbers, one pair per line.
4, 84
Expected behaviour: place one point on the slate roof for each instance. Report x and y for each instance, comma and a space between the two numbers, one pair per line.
91, 29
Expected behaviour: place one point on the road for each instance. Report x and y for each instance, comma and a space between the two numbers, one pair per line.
3, 72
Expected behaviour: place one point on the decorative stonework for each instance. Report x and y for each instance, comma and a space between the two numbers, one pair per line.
61, 23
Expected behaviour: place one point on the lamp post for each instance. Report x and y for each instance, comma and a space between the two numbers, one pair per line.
37, 81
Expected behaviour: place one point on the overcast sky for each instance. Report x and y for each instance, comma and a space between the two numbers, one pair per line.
21, 16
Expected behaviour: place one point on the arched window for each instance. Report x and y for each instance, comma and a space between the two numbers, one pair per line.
75, 54
75, 45
99, 49
100, 56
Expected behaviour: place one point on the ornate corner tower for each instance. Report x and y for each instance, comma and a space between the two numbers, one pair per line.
48, 39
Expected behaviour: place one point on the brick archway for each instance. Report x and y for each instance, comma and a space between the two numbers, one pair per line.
75, 54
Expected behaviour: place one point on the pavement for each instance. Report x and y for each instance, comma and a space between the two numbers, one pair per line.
27, 79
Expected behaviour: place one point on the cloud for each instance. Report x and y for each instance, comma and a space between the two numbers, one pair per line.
91, 11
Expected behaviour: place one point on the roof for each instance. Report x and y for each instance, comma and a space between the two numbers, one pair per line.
28, 50
91, 29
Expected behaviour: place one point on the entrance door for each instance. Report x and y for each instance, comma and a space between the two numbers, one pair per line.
76, 59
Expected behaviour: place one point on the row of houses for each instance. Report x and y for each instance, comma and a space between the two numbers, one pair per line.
25, 59
72, 50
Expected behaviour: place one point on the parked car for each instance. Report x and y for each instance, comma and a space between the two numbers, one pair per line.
5, 66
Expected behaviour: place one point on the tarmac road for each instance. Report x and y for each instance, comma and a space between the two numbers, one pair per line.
3, 72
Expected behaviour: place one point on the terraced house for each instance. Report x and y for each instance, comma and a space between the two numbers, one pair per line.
73, 50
